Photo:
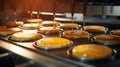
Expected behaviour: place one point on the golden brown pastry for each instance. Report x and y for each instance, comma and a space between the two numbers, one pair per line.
91, 51
116, 31
68, 26
53, 42
107, 39
50, 23
94, 28
25, 36
7, 31
30, 26
49, 30
34, 20
13, 23
15, 29
75, 34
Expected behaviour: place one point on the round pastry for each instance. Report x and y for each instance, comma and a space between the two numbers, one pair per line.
34, 20
116, 31
53, 43
91, 51
50, 23
49, 30
107, 39
68, 26
75, 34
7, 31
13, 23
30, 26
94, 28
15, 29
24, 36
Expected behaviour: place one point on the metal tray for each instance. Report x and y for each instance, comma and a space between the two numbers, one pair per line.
61, 54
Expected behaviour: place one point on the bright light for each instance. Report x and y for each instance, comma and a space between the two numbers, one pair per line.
30, 31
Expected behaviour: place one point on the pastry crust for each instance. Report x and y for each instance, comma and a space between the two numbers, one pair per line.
53, 42
68, 26
50, 23
7, 31
91, 51
107, 39
13, 23
25, 36
34, 20
49, 30
75, 34
116, 31
30, 26
94, 28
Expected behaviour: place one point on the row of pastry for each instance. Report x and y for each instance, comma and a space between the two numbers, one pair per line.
83, 51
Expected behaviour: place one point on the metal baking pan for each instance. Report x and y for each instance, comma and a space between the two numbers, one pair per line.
61, 54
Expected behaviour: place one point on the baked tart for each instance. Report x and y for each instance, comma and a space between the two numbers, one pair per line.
25, 36
13, 23
69, 26
50, 23
115, 32
8, 31
34, 20
90, 52
30, 26
95, 28
52, 43
107, 39
49, 30
75, 34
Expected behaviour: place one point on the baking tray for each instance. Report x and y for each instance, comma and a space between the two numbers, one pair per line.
62, 53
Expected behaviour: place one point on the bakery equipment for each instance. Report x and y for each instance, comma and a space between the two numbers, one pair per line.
26, 54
